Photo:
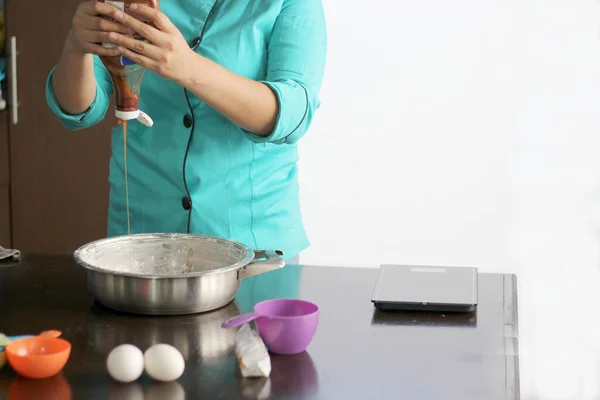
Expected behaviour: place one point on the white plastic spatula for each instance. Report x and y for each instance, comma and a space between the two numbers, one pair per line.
252, 355
9, 253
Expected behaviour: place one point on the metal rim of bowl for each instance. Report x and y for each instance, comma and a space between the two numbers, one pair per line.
250, 255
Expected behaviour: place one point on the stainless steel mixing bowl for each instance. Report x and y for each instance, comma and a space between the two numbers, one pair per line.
170, 274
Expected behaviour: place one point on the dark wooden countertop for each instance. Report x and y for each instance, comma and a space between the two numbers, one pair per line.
358, 353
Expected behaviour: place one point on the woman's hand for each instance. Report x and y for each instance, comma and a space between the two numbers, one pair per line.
249, 104
167, 54
91, 28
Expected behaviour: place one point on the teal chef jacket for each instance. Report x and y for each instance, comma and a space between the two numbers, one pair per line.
235, 184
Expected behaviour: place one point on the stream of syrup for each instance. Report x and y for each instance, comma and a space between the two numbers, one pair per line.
124, 123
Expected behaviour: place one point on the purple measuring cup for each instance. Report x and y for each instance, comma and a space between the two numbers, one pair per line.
287, 326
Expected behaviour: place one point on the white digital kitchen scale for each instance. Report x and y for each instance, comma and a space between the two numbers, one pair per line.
421, 288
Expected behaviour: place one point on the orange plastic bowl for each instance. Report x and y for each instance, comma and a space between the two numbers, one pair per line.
38, 357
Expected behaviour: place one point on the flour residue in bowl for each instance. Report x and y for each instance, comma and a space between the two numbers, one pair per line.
156, 256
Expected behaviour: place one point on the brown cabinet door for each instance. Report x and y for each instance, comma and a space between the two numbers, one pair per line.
59, 179
5, 236
5, 239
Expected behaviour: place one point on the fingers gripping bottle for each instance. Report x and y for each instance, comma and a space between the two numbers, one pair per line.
126, 75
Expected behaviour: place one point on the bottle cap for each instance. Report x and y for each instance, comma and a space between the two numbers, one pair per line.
127, 115
145, 119
137, 114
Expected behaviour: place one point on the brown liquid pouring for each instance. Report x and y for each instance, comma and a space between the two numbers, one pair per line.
124, 124
127, 79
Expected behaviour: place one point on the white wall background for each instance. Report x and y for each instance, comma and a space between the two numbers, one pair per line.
467, 132
438, 116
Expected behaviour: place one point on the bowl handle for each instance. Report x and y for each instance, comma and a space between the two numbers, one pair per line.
273, 261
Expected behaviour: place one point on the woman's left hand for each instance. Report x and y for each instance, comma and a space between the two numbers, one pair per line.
168, 53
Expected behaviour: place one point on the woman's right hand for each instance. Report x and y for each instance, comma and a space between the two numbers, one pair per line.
91, 28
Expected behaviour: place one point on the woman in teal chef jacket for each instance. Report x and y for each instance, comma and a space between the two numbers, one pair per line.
232, 86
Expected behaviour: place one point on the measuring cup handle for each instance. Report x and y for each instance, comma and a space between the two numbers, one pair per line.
51, 334
239, 320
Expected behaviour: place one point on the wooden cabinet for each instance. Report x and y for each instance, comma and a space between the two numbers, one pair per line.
53, 183
5, 232
5, 235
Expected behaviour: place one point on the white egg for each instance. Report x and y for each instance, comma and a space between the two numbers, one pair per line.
164, 362
125, 363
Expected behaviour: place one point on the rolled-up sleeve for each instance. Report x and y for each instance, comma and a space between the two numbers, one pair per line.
97, 110
296, 63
